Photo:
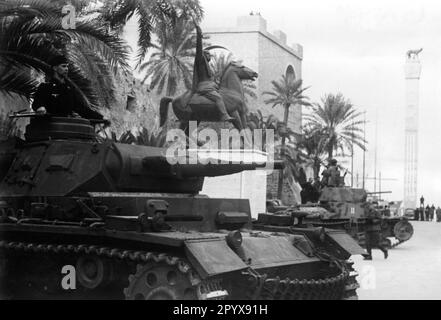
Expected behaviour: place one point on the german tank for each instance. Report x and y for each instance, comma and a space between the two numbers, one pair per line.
80, 218
344, 208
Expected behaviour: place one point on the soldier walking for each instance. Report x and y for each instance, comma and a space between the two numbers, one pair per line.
373, 233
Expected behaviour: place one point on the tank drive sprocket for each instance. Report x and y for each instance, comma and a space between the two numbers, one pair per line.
170, 278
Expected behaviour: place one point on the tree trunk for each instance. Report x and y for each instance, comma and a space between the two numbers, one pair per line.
282, 154
316, 169
330, 153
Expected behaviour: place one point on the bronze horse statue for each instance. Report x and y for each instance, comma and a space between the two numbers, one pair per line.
192, 106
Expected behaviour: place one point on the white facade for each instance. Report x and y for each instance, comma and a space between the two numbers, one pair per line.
267, 54
249, 185
412, 74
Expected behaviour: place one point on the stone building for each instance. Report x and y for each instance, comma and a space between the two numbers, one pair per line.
266, 53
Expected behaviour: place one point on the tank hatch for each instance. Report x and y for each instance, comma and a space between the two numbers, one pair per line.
50, 128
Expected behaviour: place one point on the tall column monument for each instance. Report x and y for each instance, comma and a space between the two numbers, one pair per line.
412, 71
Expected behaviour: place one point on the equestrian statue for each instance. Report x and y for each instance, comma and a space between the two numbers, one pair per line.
205, 101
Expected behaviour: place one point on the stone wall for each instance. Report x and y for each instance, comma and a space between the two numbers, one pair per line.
9, 103
133, 106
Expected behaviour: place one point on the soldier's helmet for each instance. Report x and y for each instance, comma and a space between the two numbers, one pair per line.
332, 162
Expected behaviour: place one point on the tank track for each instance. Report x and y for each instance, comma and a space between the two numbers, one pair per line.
113, 253
351, 284
342, 286
327, 223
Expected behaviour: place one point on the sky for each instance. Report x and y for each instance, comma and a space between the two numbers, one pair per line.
358, 48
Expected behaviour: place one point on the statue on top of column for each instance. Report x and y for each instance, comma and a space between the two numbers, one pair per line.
413, 54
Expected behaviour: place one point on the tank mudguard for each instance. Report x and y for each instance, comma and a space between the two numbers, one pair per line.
212, 257
345, 241
263, 251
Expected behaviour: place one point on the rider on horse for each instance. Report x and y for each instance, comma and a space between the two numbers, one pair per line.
203, 81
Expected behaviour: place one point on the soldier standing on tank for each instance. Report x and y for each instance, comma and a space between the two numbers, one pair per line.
373, 232
334, 174
58, 97
331, 175
325, 177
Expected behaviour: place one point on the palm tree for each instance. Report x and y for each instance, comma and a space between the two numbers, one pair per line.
339, 123
172, 62
154, 138
256, 120
151, 15
8, 127
31, 35
311, 144
286, 92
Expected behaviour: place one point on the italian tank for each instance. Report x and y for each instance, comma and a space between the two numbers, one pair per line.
344, 208
128, 223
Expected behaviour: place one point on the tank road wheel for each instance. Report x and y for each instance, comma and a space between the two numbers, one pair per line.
3, 275
160, 281
93, 271
403, 230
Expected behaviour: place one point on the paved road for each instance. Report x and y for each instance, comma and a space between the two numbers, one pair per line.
412, 271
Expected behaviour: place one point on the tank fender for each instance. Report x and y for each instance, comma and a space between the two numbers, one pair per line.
345, 241
211, 257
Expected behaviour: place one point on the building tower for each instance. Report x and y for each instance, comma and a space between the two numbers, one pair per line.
412, 71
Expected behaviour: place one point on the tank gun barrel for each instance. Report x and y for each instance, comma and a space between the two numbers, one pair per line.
212, 169
379, 192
